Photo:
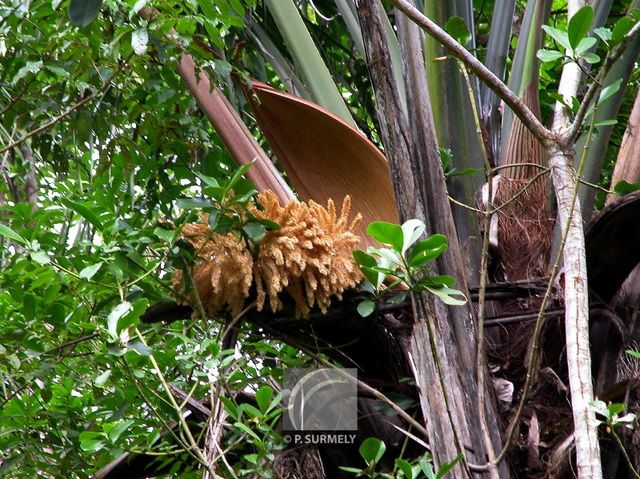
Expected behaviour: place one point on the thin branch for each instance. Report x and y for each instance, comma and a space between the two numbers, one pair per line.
481, 366
66, 113
596, 86
519, 108
13, 101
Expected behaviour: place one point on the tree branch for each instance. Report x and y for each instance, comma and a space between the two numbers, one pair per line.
68, 112
518, 107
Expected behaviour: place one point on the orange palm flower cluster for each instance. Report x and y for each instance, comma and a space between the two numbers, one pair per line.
309, 257
223, 272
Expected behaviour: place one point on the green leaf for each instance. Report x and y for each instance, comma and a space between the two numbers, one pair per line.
254, 231
549, 55
366, 307
140, 348
57, 70
164, 234
238, 174
603, 33
119, 428
12, 235
621, 28
443, 280
192, 203
83, 12
90, 271
92, 441
365, 262
579, 25
208, 180
354, 470
631, 352
139, 40
591, 58
114, 316
372, 450
411, 231
405, 467
102, 378
427, 467
139, 307
608, 91
386, 233
230, 406
446, 467
216, 192
623, 187
606, 123
447, 295
427, 250
40, 257
263, 398
584, 45
390, 256
457, 28
559, 36
85, 212
246, 429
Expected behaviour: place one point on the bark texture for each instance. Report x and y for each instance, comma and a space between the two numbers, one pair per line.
442, 350
576, 313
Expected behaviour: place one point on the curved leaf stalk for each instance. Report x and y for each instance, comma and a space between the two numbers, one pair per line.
288, 76
524, 69
620, 71
496, 61
481, 366
451, 105
307, 57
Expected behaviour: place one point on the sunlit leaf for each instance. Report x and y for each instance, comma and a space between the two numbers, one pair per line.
579, 25
387, 233
12, 235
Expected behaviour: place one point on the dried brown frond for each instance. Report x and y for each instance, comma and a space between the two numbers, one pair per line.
309, 256
222, 275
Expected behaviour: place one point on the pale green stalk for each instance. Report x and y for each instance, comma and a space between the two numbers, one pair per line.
452, 114
622, 69
307, 58
524, 68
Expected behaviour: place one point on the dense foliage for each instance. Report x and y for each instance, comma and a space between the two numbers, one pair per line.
105, 156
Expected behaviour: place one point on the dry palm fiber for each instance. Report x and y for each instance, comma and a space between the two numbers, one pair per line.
524, 221
309, 257
298, 463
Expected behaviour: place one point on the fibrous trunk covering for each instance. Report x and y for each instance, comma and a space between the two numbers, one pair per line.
524, 221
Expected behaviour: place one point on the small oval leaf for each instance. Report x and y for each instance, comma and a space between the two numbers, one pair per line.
372, 450
83, 12
579, 25
386, 233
